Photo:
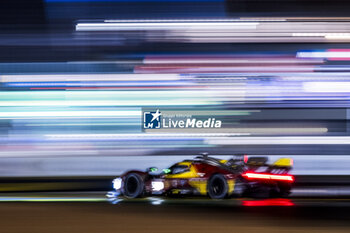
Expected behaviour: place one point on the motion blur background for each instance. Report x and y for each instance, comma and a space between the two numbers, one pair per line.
75, 75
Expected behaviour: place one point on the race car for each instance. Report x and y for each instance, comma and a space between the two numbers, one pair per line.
209, 176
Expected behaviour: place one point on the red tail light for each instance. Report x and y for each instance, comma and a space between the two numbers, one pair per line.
265, 176
268, 202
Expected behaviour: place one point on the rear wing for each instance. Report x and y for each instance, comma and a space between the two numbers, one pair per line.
257, 161
283, 162
259, 169
280, 166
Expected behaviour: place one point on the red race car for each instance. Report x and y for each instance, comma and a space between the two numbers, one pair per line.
204, 175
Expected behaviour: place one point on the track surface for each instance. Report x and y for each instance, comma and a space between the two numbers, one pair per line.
92, 213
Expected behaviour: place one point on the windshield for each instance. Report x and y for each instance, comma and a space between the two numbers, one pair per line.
177, 169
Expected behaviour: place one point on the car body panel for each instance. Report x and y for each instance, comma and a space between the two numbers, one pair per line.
283, 162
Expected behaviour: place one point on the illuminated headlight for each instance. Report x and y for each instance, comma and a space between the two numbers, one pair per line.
117, 183
157, 185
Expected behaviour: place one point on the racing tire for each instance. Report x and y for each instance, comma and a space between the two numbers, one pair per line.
133, 185
217, 187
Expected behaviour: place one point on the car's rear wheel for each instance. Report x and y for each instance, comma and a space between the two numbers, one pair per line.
217, 187
133, 185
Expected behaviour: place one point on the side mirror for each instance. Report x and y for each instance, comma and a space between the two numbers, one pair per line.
152, 169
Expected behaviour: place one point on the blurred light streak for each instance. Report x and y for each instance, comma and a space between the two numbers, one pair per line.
217, 112
253, 176
111, 88
52, 199
57, 151
327, 87
255, 130
112, 98
156, 200
87, 77
268, 202
76, 114
281, 140
321, 191
191, 60
88, 102
332, 68
330, 54
86, 124
224, 38
327, 35
221, 69
279, 30
111, 161
342, 54
193, 20
96, 84
119, 95
151, 136
304, 77
128, 26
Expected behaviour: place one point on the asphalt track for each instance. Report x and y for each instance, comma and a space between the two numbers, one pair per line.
92, 212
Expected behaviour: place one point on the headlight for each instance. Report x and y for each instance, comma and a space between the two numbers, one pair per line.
157, 185
117, 183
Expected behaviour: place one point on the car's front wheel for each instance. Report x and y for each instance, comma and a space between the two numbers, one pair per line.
133, 185
217, 187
